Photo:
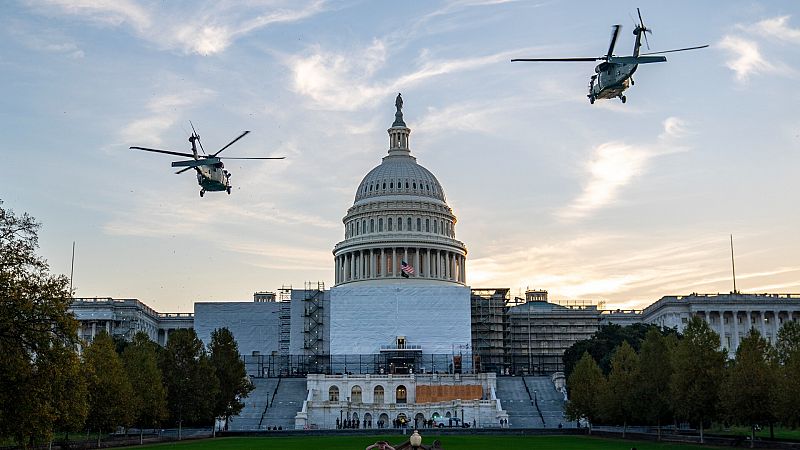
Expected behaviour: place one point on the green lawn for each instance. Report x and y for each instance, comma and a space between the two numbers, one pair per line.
462, 442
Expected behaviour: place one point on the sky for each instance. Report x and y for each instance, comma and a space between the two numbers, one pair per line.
604, 202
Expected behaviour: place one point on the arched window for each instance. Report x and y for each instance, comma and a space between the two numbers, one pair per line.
427, 187
389, 223
414, 185
333, 394
371, 225
441, 226
377, 394
370, 187
380, 224
355, 394
427, 225
358, 229
391, 185
406, 184
399, 224
419, 224
409, 224
364, 226
384, 185
435, 227
401, 395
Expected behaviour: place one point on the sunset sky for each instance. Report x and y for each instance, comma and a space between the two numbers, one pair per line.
623, 203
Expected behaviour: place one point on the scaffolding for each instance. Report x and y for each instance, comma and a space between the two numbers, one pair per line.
313, 323
285, 316
488, 307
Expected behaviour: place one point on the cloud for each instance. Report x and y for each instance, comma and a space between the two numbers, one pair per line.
200, 30
615, 164
162, 113
349, 81
745, 58
777, 28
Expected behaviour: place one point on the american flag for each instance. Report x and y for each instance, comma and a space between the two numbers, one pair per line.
406, 269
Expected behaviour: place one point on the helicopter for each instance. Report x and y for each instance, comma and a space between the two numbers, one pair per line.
211, 173
615, 74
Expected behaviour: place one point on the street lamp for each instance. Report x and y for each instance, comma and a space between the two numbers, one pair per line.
415, 440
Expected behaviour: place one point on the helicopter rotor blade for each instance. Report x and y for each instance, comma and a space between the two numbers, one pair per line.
231, 143
167, 152
676, 50
557, 59
233, 157
198, 137
645, 30
614, 35
184, 170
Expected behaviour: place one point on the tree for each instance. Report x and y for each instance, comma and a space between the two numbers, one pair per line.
788, 353
38, 336
655, 371
601, 345
149, 400
747, 396
697, 374
189, 377
231, 374
620, 402
110, 391
586, 386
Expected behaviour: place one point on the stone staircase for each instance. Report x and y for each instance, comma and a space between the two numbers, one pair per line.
289, 398
255, 405
550, 401
516, 402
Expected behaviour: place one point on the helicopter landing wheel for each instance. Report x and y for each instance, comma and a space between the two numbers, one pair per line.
591, 100
202, 192
624, 99
229, 190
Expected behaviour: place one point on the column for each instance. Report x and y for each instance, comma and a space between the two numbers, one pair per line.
405, 255
383, 262
722, 342
735, 340
749, 321
776, 316
447, 258
416, 262
372, 263
94, 329
763, 324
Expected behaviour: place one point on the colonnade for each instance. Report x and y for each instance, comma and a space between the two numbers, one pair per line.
378, 263
733, 325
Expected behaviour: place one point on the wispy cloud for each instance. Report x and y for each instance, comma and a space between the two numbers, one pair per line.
348, 81
778, 28
202, 30
614, 165
163, 112
744, 57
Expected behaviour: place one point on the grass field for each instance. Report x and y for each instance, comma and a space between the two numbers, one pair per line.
465, 442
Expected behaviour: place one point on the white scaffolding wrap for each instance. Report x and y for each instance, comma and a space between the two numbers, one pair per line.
365, 318
255, 326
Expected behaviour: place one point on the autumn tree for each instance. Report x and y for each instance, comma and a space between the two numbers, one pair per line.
586, 386
189, 377
148, 404
110, 392
38, 336
698, 371
655, 372
788, 354
748, 390
620, 401
230, 371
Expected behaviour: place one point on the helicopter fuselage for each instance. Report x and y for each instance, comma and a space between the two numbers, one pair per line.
611, 80
213, 178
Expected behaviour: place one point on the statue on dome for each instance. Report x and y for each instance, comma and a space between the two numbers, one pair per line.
398, 102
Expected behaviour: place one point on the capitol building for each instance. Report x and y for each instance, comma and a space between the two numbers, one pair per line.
400, 334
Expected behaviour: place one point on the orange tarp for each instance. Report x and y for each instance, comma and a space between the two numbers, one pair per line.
441, 393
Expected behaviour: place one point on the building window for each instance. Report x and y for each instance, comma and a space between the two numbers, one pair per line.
427, 225
333, 394
401, 395
384, 185
414, 185
399, 224
358, 228
355, 394
380, 224
408, 222
371, 225
419, 224
435, 227
378, 394
364, 226
389, 223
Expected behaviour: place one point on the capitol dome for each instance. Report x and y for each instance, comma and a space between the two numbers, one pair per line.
400, 225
